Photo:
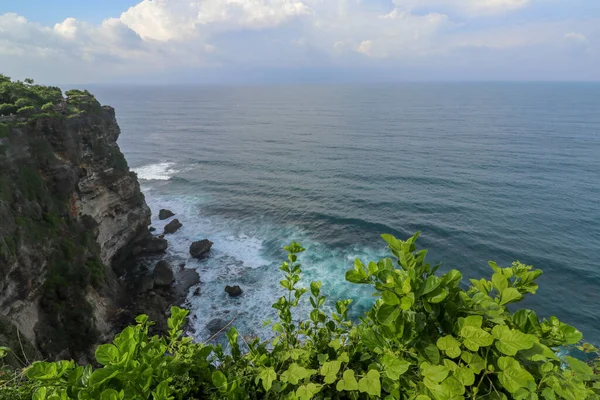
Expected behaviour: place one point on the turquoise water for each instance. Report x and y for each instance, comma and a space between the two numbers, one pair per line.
485, 171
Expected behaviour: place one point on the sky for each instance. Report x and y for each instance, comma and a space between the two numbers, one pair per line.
305, 41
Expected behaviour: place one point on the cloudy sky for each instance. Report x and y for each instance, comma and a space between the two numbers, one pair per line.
245, 41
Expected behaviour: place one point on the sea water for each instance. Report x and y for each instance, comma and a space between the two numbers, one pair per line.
493, 171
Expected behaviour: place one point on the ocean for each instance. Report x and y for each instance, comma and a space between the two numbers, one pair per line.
486, 171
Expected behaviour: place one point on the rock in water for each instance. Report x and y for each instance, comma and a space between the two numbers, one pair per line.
173, 226
233, 291
151, 229
164, 214
200, 248
216, 325
163, 274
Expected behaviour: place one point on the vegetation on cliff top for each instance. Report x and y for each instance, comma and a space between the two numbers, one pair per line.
25, 99
426, 337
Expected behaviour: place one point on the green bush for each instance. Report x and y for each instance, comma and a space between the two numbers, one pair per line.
47, 107
21, 103
424, 338
26, 111
7, 109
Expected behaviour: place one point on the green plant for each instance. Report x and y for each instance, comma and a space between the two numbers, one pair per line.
7, 109
424, 338
26, 111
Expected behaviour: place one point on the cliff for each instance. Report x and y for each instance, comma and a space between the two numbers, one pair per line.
71, 215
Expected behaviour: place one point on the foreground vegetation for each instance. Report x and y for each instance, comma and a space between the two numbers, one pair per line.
424, 338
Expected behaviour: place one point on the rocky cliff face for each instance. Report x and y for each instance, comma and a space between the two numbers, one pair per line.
71, 213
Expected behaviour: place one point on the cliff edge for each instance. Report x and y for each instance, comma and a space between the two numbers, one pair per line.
71, 215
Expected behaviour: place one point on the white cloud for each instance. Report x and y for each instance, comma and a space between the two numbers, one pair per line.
576, 36
160, 35
165, 20
468, 7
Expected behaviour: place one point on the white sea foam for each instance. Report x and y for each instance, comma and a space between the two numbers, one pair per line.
156, 172
239, 257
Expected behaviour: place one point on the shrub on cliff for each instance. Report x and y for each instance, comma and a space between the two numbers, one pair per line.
424, 338
7, 109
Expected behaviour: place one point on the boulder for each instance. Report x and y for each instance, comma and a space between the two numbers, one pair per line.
197, 291
200, 248
216, 325
173, 226
233, 291
164, 214
156, 245
163, 274
152, 229
145, 284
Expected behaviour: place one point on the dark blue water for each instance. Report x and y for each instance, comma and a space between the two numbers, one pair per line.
486, 171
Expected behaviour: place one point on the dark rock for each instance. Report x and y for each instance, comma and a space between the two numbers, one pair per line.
152, 229
233, 291
200, 248
145, 284
197, 291
163, 274
156, 245
184, 280
173, 226
164, 214
161, 236
182, 265
216, 325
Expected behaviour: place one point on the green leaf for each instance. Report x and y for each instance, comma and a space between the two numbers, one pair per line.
329, 370
294, 374
450, 389
107, 354
510, 341
474, 337
407, 301
512, 375
465, 376
474, 361
391, 241
306, 392
315, 288
348, 383
449, 345
548, 394
42, 371
370, 384
267, 376
394, 367
109, 394
102, 375
579, 366
220, 381
438, 296
510, 295
527, 321
572, 335
431, 284
390, 298
435, 373
429, 352
39, 394
499, 281
386, 315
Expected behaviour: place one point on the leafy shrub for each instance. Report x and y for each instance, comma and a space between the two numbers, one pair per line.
424, 338
26, 111
21, 103
47, 107
7, 109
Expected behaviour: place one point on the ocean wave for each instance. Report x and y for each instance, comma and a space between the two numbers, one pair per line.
156, 172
